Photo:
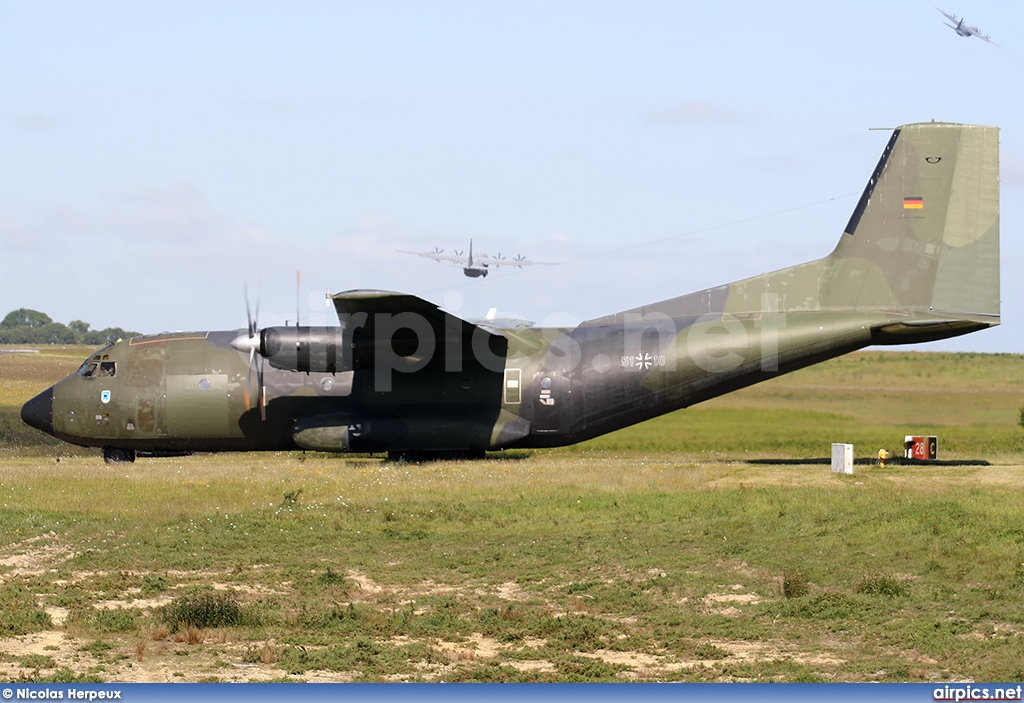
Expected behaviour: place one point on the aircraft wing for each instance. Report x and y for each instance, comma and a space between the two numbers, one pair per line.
437, 256
496, 262
983, 37
951, 18
376, 303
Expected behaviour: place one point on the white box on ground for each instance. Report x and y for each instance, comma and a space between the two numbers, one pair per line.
842, 458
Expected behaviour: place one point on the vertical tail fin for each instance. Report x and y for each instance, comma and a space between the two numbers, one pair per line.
924, 238
918, 260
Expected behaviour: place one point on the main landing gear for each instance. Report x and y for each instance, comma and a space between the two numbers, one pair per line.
116, 455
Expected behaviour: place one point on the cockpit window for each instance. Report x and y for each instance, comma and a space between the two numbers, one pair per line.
98, 365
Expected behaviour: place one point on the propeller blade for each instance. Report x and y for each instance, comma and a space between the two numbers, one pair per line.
248, 380
262, 400
251, 343
252, 320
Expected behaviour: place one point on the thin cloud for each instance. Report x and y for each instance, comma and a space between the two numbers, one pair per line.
1012, 169
179, 213
694, 112
372, 240
176, 215
264, 105
779, 161
38, 121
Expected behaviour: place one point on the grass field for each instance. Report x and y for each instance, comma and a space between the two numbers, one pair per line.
656, 553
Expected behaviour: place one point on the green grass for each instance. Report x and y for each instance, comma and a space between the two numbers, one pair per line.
19, 612
656, 553
550, 558
203, 609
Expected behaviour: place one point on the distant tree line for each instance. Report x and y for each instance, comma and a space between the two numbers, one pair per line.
24, 326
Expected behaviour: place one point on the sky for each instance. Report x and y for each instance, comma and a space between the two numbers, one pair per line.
161, 158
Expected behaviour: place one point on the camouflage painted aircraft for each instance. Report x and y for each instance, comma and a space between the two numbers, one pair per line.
917, 261
963, 30
473, 267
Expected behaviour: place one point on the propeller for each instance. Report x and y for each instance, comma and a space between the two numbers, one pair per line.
438, 250
520, 258
251, 343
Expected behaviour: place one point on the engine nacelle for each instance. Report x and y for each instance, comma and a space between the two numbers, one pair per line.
340, 433
310, 349
333, 349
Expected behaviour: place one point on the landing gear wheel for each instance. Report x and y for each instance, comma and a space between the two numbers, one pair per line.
116, 455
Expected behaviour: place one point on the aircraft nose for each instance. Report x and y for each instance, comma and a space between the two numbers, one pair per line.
38, 412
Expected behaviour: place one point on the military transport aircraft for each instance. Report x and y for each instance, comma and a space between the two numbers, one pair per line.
963, 30
474, 267
917, 261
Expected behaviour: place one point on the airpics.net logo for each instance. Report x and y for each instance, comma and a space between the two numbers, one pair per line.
978, 693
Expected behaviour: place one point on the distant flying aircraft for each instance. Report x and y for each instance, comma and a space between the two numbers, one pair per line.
917, 261
963, 30
473, 266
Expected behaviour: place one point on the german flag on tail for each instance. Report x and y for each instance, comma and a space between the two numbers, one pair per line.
913, 203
